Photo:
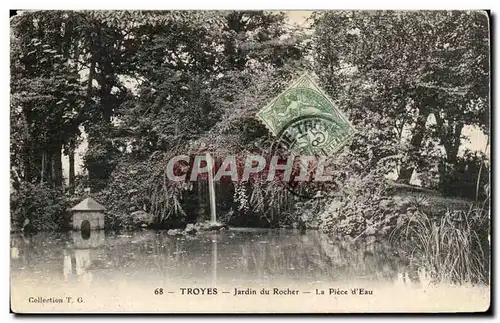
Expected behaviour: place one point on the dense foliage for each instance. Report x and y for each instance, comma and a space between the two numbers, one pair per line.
141, 87
393, 72
38, 207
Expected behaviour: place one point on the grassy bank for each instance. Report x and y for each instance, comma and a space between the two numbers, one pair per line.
451, 247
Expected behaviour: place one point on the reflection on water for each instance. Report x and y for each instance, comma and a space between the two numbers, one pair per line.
214, 259
14, 252
78, 255
237, 256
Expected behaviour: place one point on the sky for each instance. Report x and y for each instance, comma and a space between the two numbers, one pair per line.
299, 17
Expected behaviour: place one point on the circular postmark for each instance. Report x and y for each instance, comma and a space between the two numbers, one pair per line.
311, 141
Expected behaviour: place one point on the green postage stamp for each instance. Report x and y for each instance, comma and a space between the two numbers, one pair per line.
306, 119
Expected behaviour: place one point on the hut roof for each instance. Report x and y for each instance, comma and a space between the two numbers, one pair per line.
89, 204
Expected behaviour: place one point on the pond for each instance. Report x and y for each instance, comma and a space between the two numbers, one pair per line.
143, 269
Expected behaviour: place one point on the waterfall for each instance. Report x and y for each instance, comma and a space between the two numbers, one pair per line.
211, 188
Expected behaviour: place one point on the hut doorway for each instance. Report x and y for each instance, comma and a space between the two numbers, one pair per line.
85, 228
89, 210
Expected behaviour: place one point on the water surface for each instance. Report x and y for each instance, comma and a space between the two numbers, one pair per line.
238, 255
120, 272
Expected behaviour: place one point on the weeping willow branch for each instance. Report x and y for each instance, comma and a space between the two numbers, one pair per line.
165, 195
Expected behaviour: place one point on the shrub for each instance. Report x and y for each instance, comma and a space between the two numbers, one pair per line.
39, 207
363, 206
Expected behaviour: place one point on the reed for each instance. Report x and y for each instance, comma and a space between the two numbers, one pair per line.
452, 248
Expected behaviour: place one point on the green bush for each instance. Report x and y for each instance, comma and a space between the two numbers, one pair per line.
363, 207
38, 207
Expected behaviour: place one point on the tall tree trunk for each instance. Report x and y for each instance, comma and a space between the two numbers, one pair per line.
27, 169
73, 139
450, 135
52, 170
49, 167
89, 103
90, 79
415, 145
57, 166
71, 155
42, 168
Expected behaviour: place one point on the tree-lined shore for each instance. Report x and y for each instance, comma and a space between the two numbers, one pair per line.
142, 86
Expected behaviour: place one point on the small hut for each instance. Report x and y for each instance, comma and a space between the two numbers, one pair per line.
88, 215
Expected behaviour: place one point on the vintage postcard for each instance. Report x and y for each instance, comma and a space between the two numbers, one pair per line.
250, 161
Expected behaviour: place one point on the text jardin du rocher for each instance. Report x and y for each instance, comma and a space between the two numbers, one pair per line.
288, 291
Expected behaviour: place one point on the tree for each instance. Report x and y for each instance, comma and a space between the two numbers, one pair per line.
422, 62
193, 71
44, 94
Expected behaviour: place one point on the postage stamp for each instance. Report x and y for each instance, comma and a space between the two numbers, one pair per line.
306, 119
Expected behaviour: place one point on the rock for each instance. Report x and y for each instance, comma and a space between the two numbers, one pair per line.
141, 219
217, 227
175, 232
210, 226
190, 229
198, 226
